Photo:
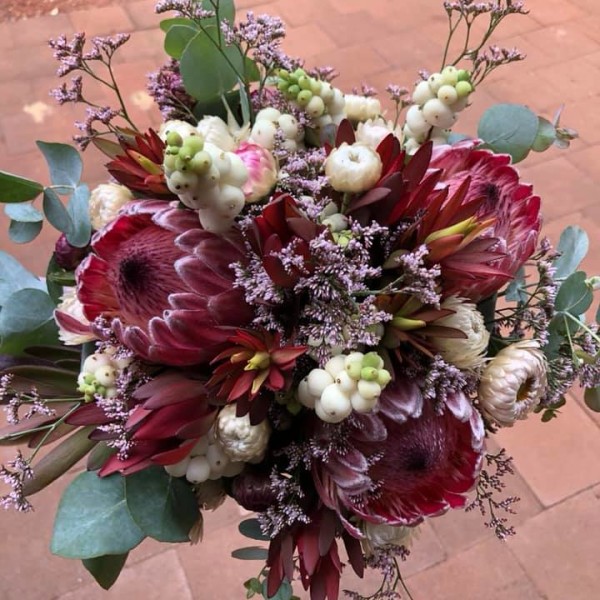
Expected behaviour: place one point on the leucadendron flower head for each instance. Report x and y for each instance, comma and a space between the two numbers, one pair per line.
353, 168
468, 352
513, 383
105, 203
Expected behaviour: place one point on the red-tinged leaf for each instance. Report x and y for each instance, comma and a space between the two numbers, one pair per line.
417, 166
107, 147
355, 554
89, 414
345, 133
371, 197
327, 530
287, 556
308, 548
445, 332
171, 457
242, 386
285, 356
43, 439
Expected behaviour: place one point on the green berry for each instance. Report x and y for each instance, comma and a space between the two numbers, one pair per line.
169, 162
194, 143
450, 75
283, 74
283, 85
463, 88
304, 83
293, 90
354, 370
181, 164
368, 373
463, 75
304, 97
298, 73
372, 359
383, 377
201, 163
315, 86
174, 139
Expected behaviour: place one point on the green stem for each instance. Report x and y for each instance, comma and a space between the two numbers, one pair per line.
119, 97
582, 325
51, 430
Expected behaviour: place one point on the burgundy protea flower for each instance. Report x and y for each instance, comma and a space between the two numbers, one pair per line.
255, 360
140, 167
165, 284
167, 417
405, 463
507, 206
283, 227
318, 557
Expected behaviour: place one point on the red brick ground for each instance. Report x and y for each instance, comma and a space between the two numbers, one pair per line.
555, 553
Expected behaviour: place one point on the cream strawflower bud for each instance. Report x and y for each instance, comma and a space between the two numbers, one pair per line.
353, 168
241, 441
380, 536
469, 352
105, 202
513, 383
71, 310
373, 132
361, 108
215, 131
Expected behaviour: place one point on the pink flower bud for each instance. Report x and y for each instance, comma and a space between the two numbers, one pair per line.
68, 256
262, 170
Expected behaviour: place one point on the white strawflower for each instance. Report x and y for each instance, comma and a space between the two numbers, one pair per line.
513, 383
71, 306
105, 202
374, 131
353, 168
215, 131
469, 352
241, 441
381, 535
183, 128
361, 108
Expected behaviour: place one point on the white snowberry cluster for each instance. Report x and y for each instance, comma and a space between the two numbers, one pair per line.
322, 102
205, 177
346, 383
207, 460
437, 102
268, 122
99, 374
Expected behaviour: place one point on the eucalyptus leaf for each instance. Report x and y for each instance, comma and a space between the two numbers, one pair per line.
106, 569
591, 397
251, 529
226, 9
509, 129
25, 310
78, 210
573, 247
250, 553
220, 67
93, 519
284, 592
64, 163
56, 213
574, 296
17, 344
545, 137
55, 288
516, 292
177, 38
166, 24
18, 189
24, 212
14, 276
23, 232
164, 507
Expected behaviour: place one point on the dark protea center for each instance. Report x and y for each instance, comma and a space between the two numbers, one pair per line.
165, 284
407, 462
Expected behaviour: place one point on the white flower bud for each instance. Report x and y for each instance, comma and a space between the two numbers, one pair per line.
335, 365
70, 306
106, 375
241, 441
268, 114
513, 383
316, 107
198, 469
304, 396
263, 133
469, 352
353, 168
183, 128
215, 131
361, 108
361, 404
318, 380
213, 221
217, 459
336, 106
369, 389
374, 131
201, 447
94, 361
231, 201
333, 406
416, 120
178, 469
345, 382
106, 201
422, 93
438, 114
289, 125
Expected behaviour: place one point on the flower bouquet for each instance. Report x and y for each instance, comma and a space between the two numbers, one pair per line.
289, 296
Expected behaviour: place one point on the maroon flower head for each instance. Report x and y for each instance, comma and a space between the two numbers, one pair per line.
165, 283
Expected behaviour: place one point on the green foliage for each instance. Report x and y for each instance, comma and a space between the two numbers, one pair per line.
24, 311
545, 137
79, 235
178, 37
18, 189
106, 569
574, 296
573, 247
516, 291
164, 507
592, 398
509, 129
100, 516
64, 163
25, 222
222, 67
93, 519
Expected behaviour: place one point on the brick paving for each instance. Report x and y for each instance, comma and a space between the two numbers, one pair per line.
555, 553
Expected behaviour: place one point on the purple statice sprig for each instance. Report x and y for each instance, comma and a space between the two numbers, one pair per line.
72, 57
190, 9
167, 89
15, 474
465, 13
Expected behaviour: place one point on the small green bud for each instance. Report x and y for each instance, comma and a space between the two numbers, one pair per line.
383, 377
368, 373
89, 378
463, 88
194, 143
283, 86
174, 139
181, 164
304, 83
463, 75
315, 86
372, 359
201, 163
283, 74
169, 162
304, 97
450, 75
298, 73
354, 370
293, 90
